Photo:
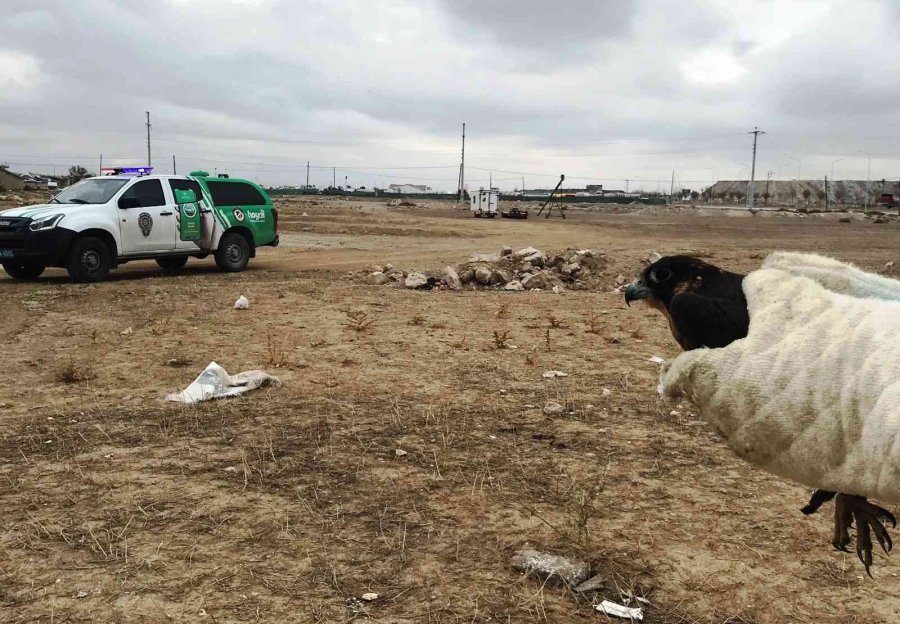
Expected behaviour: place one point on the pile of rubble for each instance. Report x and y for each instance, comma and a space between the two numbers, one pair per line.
525, 269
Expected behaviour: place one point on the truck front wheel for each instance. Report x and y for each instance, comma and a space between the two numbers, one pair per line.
89, 260
233, 253
24, 270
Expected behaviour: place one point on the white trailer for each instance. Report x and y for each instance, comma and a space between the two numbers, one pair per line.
486, 203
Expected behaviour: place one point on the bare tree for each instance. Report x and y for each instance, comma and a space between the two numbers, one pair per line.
77, 173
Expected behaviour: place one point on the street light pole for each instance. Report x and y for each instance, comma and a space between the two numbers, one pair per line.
868, 175
832, 177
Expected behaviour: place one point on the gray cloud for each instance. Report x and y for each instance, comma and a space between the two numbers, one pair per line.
601, 90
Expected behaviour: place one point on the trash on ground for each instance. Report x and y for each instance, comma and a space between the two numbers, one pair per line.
370, 596
242, 303
553, 568
620, 611
215, 383
656, 360
554, 374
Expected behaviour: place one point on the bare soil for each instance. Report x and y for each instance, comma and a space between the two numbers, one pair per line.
286, 504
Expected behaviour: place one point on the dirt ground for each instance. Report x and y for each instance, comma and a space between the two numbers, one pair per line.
288, 504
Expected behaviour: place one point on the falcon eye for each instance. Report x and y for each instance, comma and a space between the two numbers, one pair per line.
661, 275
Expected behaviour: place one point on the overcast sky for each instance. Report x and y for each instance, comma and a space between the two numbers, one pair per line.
602, 90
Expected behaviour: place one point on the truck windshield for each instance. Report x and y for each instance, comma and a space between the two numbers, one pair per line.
91, 191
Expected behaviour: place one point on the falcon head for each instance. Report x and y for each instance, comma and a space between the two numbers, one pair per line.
667, 277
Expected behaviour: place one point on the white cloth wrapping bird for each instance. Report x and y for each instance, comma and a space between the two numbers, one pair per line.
813, 392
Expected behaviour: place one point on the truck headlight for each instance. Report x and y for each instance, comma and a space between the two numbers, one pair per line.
45, 223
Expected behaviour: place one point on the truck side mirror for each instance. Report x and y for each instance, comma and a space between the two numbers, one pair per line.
185, 196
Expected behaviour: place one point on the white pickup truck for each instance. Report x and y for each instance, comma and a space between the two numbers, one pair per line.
102, 222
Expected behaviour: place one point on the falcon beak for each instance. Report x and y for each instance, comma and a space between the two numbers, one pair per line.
636, 291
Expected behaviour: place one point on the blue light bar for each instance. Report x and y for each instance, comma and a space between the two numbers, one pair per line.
136, 170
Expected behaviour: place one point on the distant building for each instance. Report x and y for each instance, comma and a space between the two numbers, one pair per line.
10, 181
409, 188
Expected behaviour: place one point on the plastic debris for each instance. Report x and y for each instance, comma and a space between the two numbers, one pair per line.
656, 360
242, 303
215, 383
620, 611
554, 374
370, 596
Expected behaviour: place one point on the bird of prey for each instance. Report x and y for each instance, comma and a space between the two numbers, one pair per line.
706, 307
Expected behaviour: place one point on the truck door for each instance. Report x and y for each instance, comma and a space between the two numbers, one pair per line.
146, 218
207, 222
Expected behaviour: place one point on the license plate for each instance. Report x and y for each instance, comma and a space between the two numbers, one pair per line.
6, 253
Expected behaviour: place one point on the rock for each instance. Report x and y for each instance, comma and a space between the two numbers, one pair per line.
451, 278
242, 303
532, 255
500, 277
570, 269
483, 275
554, 374
594, 583
378, 269
484, 257
388, 268
553, 408
370, 596
506, 250
394, 202
400, 453
552, 568
416, 280
378, 278
557, 289
888, 265
514, 285
844, 220
607, 392
880, 220
543, 280
621, 280
304, 215
467, 276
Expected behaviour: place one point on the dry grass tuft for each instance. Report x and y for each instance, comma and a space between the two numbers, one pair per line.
358, 321
73, 372
501, 338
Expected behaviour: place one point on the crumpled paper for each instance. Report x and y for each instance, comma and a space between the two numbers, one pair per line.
215, 383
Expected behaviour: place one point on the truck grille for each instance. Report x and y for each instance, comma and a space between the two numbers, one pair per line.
13, 231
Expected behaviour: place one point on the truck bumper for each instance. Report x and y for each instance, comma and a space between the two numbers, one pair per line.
47, 247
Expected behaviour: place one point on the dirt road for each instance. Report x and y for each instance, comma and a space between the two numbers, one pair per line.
409, 457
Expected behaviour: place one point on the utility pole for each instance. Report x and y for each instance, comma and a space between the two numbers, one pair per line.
307, 175
768, 178
672, 190
149, 162
174, 170
868, 175
462, 168
101, 165
756, 132
333, 177
826, 193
